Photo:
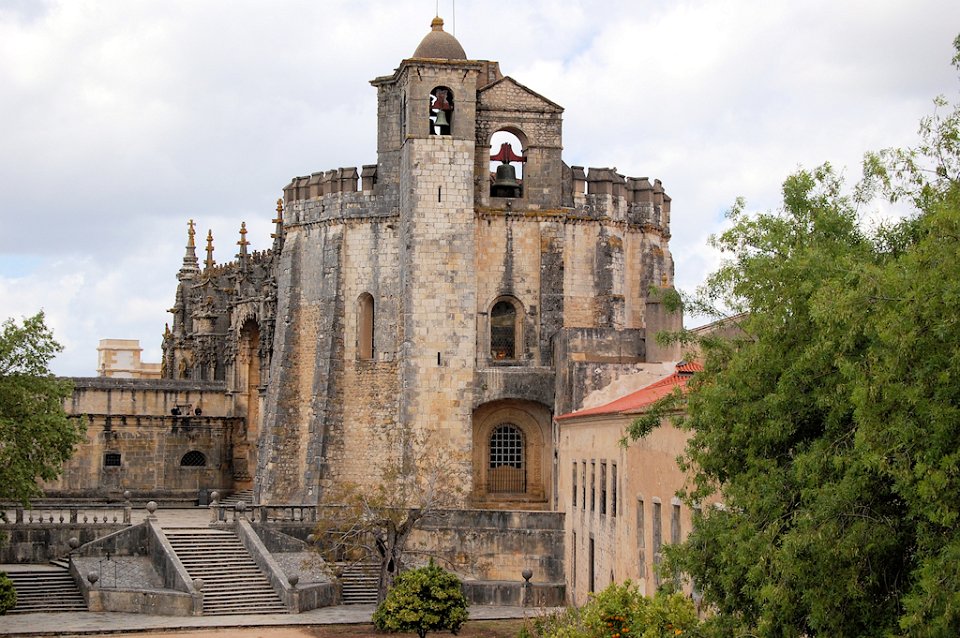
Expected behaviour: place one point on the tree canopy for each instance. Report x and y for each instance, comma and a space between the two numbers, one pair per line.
36, 437
831, 430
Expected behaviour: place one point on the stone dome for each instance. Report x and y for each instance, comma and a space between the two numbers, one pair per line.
439, 44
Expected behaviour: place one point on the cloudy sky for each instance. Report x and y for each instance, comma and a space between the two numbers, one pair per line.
122, 119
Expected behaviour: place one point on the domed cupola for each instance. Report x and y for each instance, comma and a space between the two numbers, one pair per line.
439, 45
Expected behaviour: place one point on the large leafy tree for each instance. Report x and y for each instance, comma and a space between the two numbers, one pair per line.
831, 430
36, 437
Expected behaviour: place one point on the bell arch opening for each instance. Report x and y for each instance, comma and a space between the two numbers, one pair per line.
507, 156
441, 111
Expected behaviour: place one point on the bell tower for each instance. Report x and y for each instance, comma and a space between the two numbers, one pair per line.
427, 132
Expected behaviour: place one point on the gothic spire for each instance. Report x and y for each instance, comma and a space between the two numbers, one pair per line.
209, 262
190, 263
243, 243
277, 235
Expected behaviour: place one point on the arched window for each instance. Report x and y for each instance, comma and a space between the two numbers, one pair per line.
365, 326
193, 458
507, 470
503, 330
441, 111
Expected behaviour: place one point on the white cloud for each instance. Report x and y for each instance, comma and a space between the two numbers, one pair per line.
122, 119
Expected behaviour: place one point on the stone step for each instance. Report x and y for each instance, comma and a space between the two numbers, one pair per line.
358, 585
46, 590
232, 581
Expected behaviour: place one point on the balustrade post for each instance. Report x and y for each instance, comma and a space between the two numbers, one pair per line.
74, 510
19, 515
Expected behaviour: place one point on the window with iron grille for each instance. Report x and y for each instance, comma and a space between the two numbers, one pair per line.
507, 471
111, 459
503, 331
193, 458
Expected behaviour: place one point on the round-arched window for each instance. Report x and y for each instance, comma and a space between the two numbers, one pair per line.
503, 331
193, 458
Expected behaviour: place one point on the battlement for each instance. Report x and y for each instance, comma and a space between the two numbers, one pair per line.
598, 193
338, 180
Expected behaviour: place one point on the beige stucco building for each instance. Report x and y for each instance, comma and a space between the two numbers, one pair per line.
620, 502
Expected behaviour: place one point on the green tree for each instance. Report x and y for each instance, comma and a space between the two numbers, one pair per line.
831, 430
421, 600
36, 437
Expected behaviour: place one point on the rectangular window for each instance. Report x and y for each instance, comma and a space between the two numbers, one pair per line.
603, 488
593, 488
573, 564
573, 492
675, 524
583, 486
657, 541
613, 490
111, 459
592, 567
641, 539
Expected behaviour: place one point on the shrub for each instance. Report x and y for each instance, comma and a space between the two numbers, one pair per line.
8, 595
421, 600
621, 611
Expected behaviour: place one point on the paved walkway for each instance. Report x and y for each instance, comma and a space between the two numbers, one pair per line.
87, 622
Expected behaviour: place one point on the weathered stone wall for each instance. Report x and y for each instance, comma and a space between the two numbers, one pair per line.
438, 285
133, 418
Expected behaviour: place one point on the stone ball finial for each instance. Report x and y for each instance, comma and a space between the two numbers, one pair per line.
527, 574
293, 579
241, 506
215, 497
73, 542
152, 507
311, 539
198, 584
127, 494
93, 577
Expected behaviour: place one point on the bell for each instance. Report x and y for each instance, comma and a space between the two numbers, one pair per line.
505, 184
442, 119
441, 103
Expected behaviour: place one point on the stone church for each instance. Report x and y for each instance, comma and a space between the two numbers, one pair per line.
466, 287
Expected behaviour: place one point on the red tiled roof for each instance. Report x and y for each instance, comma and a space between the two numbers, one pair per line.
636, 401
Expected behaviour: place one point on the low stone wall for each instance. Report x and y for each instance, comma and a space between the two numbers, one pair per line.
141, 601
500, 592
494, 545
482, 545
43, 533
295, 597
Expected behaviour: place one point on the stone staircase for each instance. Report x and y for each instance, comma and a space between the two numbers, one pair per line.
45, 589
243, 495
359, 584
232, 582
